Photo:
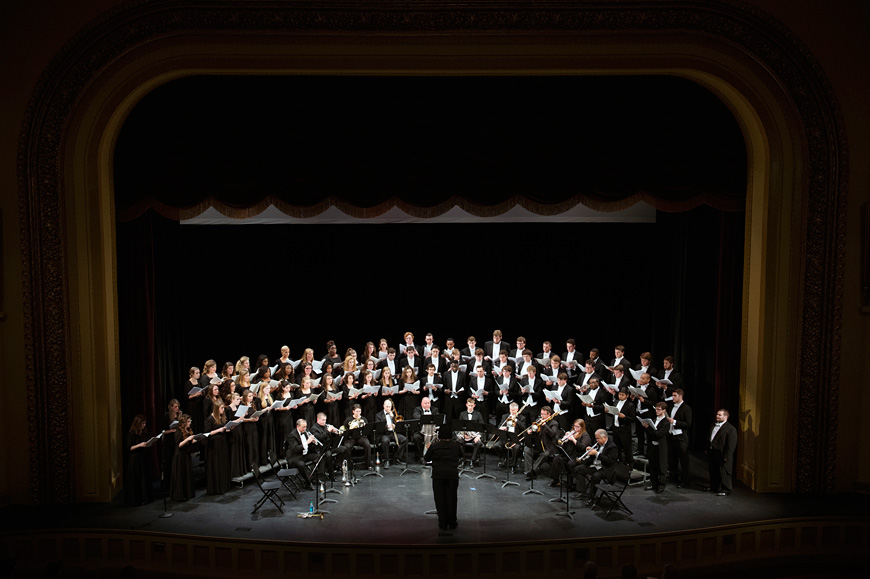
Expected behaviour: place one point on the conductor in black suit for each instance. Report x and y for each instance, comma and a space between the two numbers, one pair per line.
721, 443
445, 454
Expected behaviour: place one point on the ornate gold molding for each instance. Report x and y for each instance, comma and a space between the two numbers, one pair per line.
42, 217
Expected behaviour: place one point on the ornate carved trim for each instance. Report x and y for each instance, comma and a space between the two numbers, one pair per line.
42, 214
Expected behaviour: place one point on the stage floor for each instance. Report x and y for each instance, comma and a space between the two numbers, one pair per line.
390, 511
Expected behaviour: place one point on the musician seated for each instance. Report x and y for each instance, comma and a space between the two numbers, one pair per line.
302, 450
512, 422
324, 433
355, 437
389, 416
573, 444
470, 436
540, 442
605, 452
421, 437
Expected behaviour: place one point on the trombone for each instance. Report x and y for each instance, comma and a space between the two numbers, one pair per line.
510, 418
534, 428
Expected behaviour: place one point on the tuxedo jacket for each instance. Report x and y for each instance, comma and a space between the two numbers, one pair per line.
440, 363
651, 370
536, 390
652, 396
468, 353
383, 364
582, 377
295, 447
548, 434
488, 349
513, 388
456, 385
418, 412
417, 364
424, 390
489, 386
476, 416
683, 418
321, 433
522, 364
630, 413
487, 366
724, 442
609, 456
576, 449
675, 377
601, 398
522, 424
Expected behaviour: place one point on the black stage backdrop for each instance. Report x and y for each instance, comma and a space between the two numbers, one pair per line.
190, 293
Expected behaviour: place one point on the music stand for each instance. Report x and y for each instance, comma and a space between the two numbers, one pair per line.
367, 431
404, 425
438, 420
332, 445
317, 500
564, 487
467, 426
513, 437
490, 430
164, 486
532, 490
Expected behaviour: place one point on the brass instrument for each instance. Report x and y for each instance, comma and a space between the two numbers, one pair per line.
539, 422
355, 423
429, 435
595, 446
510, 422
396, 417
568, 436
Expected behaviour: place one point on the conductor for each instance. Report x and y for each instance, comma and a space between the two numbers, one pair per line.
445, 455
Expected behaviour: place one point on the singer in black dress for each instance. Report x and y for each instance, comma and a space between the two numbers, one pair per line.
137, 476
249, 429
217, 462
238, 463
181, 485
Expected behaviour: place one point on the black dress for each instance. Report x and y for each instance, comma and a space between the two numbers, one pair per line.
251, 444
168, 447
194, 406
137, 476
236, 440
217, 463
265, 434
181, 484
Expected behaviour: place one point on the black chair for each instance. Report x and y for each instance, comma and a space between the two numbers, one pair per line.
287, 477
269, 490
613, 491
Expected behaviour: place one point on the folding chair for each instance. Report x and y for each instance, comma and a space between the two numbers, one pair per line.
613, 491
287, 477
269, 490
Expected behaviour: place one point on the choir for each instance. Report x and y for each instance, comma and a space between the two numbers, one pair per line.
549, 408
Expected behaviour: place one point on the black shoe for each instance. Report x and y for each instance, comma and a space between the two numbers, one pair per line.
307, 487
723, 493
555, 483
530, 475
501, 464
475, 463
682, 485
660, 489
707, 489
444, 532
453, 525
387, 464
649, 487
589, 503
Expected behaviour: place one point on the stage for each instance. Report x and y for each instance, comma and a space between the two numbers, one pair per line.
382, 518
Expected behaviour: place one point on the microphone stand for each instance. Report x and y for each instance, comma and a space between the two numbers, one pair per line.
165, 514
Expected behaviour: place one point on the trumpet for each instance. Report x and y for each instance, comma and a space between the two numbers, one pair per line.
568, 436
595, 446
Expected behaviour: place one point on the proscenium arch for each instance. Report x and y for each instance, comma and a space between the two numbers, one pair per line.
786, 115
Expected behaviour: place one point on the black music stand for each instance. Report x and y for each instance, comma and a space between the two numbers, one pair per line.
467, 426
564, 487
316, 480
405, 425
164, 486
333, 444
367, 431
512, 437
532, 490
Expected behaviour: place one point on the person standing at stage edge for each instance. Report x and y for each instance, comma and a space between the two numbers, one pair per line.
445, 455
720, 454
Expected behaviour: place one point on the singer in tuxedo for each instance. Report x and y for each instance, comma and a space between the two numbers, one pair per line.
454, 390
721, 442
